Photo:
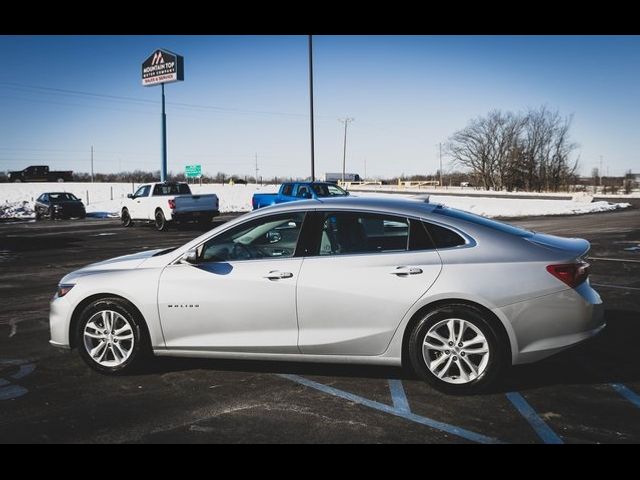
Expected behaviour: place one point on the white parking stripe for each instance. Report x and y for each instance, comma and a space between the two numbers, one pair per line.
614, 286
614, 259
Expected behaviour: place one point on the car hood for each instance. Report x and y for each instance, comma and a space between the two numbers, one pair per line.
125, 262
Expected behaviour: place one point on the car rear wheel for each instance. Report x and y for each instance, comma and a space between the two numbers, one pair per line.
110, 337
38, 214
457, 350
125, 218
161, 222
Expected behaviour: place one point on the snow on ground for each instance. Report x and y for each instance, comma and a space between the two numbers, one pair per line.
105, 199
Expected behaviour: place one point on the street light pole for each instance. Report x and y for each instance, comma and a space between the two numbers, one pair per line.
346, 122
163, 170
91, 163
313, 172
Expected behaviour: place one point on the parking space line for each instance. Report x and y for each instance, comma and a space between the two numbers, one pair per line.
614, 286
398, 396
444, 427
623, 260
627, 393
541, 428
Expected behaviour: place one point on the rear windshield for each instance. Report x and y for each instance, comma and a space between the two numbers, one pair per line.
172, 189
485, 222
62, 197
328, 190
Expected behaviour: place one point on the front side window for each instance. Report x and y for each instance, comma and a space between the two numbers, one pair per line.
350, 233
302, 191
323, 190
143, 191
275, 236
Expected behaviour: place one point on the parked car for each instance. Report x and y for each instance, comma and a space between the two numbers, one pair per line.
40, 173
293, 191
59, 205
345, 280
165, 203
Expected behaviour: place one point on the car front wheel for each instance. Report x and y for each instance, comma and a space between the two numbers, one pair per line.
110, 337
125, 218
457, 350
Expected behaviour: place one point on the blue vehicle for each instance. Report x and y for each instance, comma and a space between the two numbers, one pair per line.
292, 191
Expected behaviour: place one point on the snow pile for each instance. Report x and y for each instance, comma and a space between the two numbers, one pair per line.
106, 199
511, 207
16, 210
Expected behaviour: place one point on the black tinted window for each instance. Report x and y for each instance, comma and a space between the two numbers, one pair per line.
287, 189
328, 190
346, 233
419, 238
171, 189
443, 237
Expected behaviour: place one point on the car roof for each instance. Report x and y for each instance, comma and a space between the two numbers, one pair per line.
415, 205
56, 193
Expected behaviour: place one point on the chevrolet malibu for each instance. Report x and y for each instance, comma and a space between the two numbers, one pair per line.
456, 296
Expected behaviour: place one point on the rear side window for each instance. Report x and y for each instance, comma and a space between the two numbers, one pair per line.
171, 189
419, 238
349, 233
287, 189
443, 237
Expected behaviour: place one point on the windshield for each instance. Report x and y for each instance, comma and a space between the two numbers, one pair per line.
328, 190
171, 189
62, 197
486, 222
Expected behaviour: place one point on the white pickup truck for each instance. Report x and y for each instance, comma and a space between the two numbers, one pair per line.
166, 203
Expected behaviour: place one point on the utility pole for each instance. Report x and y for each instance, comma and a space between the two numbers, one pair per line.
91, 163
365, 169
346, 121
600, 172
313, 171
440, 154
256, 168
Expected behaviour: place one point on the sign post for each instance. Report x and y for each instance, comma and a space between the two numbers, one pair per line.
161, 67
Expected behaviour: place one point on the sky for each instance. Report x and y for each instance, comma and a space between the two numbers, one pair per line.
244, 96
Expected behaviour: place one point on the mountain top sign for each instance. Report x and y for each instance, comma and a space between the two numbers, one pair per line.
162, 66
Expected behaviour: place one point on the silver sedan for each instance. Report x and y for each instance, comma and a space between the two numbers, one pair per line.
456, 296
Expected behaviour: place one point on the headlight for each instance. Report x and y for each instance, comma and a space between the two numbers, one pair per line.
64, 288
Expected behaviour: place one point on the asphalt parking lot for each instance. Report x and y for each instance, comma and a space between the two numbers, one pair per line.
588, 394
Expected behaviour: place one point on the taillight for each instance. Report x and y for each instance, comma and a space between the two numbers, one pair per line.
172, 204
573, 274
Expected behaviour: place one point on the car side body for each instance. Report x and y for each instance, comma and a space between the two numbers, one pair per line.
304, 305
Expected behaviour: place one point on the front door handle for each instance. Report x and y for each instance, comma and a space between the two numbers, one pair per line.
277, 275
407, 271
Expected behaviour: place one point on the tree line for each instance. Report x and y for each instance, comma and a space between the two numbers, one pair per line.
530, 150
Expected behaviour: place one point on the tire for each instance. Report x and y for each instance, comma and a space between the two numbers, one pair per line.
38, 214
161, 223
51, 214
17, 180
119, 354
125, 218
60, 180
448, 355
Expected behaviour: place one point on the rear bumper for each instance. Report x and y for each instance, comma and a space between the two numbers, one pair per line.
549, 324
196, 215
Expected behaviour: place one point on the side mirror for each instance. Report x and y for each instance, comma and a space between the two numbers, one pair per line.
190, 257
306, 194
130, 195
347, 193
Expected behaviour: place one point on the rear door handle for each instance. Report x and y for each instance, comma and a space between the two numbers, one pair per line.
277, 275
407, 271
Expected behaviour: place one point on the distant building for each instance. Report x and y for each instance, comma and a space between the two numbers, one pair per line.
634, 178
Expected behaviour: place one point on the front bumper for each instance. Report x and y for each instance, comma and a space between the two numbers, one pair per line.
59, 322
549, 324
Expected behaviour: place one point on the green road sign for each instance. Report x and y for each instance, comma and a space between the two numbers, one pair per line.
193, 171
